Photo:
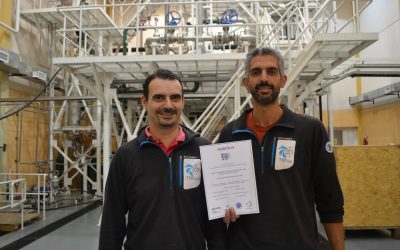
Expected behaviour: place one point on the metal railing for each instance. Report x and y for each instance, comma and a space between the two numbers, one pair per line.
192, 32
40, 188
321, 22
15, 198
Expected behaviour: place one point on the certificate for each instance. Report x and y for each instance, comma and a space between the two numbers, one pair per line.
229, 180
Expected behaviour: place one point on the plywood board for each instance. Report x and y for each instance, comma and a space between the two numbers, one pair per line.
12, 221
370, 179
33, 139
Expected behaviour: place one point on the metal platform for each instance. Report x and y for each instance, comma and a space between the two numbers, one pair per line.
319, 57
218, 66
92, 17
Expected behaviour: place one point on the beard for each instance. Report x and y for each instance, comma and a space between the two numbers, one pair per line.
166, 111
261, 99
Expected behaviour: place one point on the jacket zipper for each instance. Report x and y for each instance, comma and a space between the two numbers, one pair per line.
273, 152
180, 171
261, 146
262, 153
170, 161
170, 172
262, 160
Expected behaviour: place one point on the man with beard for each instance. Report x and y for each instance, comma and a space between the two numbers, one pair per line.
156, 181
294, 165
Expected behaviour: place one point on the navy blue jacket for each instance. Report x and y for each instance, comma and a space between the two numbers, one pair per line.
149, 186
295, 173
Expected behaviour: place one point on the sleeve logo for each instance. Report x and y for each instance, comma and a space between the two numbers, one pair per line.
329, 147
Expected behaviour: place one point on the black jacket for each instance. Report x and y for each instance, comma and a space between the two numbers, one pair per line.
149, 186
295, 170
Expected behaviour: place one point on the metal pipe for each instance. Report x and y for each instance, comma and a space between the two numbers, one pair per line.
18, 141
172, 39
93, 98
124, 43
330, 116
320, 107
356, 14
37, 138
106, 130
99, 190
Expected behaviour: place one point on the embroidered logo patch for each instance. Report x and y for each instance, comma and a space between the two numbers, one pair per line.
284, 157
192, 173
328, 147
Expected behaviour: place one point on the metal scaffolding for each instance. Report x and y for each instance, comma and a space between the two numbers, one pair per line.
107, 48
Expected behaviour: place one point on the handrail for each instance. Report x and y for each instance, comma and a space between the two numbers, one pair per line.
12, 201
41, 182
311, 22
219, 99
306, 31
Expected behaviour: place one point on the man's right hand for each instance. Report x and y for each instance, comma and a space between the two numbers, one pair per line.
230, 216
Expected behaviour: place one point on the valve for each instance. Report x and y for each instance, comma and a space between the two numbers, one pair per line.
174, 18
229, 16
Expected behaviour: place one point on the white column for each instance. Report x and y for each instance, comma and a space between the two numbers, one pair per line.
99, 190
330, 115
106, 79
237, 94
100, 45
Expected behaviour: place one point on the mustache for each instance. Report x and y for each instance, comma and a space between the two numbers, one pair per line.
166, 111
264, 84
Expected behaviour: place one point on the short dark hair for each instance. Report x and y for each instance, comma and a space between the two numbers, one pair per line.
161, 74
264, 52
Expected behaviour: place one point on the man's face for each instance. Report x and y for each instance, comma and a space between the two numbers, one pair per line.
264, 81
164, 104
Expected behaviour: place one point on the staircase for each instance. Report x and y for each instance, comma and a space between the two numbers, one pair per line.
310, 55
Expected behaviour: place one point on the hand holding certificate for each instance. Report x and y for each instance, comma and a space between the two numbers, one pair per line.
229, 180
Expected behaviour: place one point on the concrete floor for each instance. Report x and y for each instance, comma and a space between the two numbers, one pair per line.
82, 233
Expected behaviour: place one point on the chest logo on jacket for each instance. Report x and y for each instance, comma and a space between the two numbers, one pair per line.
192, 173
284, 157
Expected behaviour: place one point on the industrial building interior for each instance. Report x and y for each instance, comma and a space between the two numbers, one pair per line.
73, 70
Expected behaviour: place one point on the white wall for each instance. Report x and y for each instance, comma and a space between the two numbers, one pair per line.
383, 17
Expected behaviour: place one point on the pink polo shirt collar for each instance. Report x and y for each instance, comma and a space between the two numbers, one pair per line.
180, 138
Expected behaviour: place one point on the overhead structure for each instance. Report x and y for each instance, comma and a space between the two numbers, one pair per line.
107, 49
318, 59
371, 96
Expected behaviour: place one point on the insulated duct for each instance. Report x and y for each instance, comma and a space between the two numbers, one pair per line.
11, 63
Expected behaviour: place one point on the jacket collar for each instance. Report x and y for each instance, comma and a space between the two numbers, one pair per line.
287, 119
189, 135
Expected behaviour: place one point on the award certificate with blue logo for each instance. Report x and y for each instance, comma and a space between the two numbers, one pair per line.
229, 179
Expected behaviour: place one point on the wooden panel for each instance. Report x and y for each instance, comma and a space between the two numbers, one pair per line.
370, 179
34, 139
12, 221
